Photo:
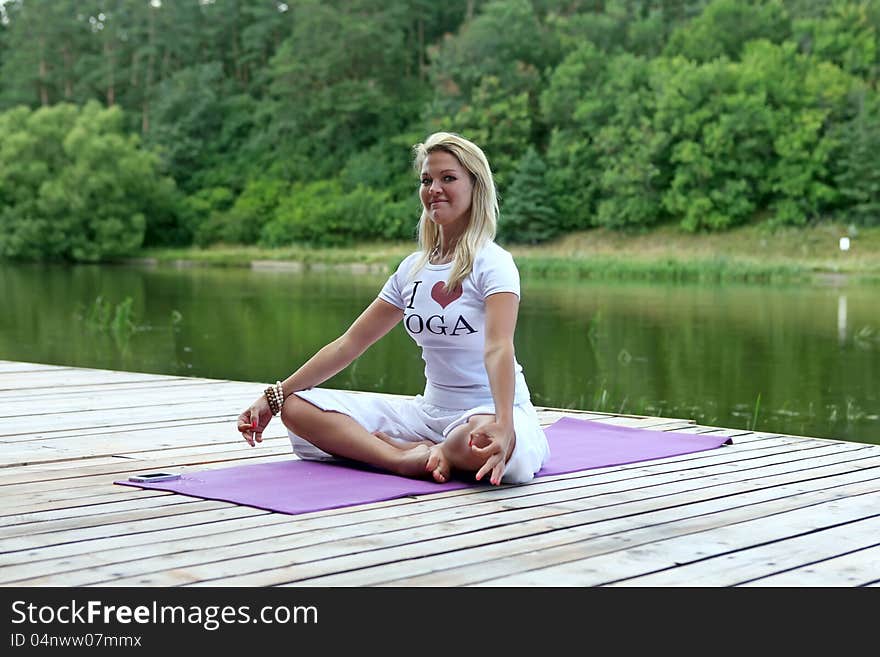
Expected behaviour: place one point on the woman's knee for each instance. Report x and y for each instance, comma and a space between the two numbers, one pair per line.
457, 443
295, 413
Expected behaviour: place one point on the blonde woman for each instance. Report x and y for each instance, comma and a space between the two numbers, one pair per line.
458, 298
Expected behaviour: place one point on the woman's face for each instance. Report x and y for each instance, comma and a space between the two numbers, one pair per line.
446, 190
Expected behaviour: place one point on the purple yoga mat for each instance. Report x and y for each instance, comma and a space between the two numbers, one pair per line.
296, 486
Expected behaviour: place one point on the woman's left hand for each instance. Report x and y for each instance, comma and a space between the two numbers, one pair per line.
495, 443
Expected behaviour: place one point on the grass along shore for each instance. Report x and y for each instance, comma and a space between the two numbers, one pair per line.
749, 253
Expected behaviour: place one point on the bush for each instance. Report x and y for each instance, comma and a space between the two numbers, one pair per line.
243, 223
320, 214
74, 186
751, 136
202, 213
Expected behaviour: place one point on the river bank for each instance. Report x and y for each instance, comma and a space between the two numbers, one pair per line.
750, 253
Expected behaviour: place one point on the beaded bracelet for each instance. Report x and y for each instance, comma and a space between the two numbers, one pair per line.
275, 396
269, 393
280, 395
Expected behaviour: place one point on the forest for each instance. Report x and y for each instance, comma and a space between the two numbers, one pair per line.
127, 124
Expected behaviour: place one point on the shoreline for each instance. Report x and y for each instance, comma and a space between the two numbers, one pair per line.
604, 268
750, 254
746, 254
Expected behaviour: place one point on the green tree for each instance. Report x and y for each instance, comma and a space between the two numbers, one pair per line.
44, 40
188, 119
847, 34
527, 213
252, 209
721, 144
506, 41
487, 80
264, 26
201, 213
725, 26
572, 105
74, 186
857, 162
609, 164
639, 27
338, 85
499, 122
309, 214
631, 152
750, 136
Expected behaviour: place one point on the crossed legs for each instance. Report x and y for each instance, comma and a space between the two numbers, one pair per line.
340, 435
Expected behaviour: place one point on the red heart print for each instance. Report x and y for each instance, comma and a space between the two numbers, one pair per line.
441, 296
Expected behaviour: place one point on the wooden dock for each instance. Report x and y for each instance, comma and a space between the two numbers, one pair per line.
768, 510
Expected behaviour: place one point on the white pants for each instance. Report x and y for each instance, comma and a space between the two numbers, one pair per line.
413, 419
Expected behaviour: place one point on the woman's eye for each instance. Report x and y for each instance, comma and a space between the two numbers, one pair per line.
445, 179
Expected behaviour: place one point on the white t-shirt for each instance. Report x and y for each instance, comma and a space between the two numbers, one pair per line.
450, 328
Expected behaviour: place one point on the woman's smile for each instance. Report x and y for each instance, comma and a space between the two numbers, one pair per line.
446, 189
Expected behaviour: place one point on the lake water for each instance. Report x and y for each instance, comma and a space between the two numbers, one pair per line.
802, 360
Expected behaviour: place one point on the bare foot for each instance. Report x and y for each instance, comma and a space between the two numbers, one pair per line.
438, 464
422, 461
418, 459
413, 462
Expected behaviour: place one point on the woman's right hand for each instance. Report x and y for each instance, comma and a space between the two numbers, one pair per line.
254, 420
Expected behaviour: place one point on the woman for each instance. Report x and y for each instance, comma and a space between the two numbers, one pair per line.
458, 298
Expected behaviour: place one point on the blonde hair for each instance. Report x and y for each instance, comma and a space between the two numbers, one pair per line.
484, 205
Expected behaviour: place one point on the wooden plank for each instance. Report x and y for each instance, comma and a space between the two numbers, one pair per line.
134, 437
64, 522
593, 548
66, 474
137, 524
136, 510
593, 571
365, 513
47, 560
552, 409
533, 517
73, 490
41, 426
13, 367
643, 473
294, 567
126, 398
66, 443
856, 567
60, 518
729, 566
87, 496
132, 443
128, 466
64, 376
34, 395
146, 434
109, 495
505, 501
74, 501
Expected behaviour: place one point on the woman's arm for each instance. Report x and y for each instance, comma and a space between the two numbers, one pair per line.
501, 315
378, 318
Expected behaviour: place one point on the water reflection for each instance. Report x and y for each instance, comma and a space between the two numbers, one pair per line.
734, 356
